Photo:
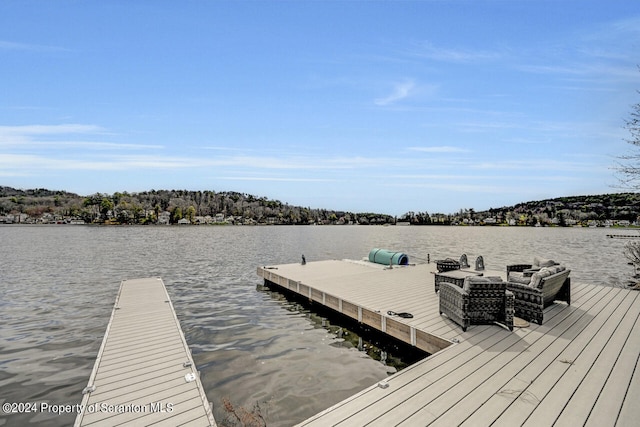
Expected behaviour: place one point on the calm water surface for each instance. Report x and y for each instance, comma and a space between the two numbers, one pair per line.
58, 285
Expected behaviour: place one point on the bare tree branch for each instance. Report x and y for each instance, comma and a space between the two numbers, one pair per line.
628, 165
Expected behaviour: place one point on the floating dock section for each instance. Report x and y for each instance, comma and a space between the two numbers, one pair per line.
144, 373
580, 367
366, 292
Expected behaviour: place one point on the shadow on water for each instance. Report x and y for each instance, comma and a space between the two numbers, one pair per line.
349, 333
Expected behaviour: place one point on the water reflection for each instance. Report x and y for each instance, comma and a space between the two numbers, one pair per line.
348, 333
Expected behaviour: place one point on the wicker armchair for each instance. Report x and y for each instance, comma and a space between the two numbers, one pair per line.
544, 287
447, 265
481, 301
518, 268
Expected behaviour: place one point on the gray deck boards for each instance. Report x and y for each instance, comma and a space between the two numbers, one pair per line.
140, 373
580, 367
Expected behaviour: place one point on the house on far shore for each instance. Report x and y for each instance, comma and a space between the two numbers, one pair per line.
164, 218
199, 220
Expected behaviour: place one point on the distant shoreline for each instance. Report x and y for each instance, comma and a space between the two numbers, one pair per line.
210, 207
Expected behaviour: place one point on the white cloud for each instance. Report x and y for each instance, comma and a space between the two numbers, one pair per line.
40, 163
275, 179
27, 137
540, 165
401, 91
43, 162
220, 148
615, 31
22, 142
581, 70
428, 50
440, 149
7, 45
443, 178
50, 129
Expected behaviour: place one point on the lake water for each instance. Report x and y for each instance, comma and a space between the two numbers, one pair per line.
58, 285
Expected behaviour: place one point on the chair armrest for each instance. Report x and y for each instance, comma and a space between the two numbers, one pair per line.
452, 289
452, 297
518, 267
514, 286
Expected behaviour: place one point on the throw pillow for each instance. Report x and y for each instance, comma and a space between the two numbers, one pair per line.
536, 278
518, 277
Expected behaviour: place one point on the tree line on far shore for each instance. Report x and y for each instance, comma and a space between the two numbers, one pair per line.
183, 206
596, 210
172, 206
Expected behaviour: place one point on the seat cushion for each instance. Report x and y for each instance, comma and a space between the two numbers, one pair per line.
543, 262
557, 268
519, 277
473, 279
479, 279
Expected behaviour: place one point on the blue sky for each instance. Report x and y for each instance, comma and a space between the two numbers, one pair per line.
383, 106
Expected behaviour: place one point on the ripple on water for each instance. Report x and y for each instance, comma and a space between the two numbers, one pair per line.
251, 345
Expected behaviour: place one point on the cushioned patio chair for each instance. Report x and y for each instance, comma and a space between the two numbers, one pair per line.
481, 301
535, 288
447, 265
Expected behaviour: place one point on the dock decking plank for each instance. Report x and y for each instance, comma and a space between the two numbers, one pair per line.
599, 373
144, 373
536, 379
511, 385
177, 396
140, 369
435, 393
474, 407
597, 358
585, 352
629, 411
378, 401
470, 392
573, 364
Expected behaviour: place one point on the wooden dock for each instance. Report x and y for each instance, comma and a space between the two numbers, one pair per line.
144, 373
580, 367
